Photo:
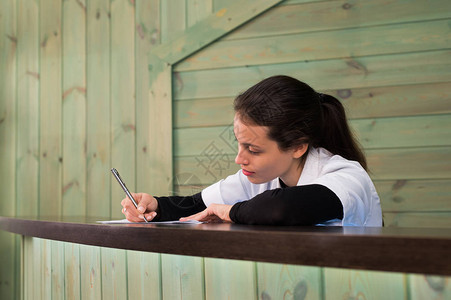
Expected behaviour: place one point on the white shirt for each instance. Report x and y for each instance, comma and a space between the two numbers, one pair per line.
347, 179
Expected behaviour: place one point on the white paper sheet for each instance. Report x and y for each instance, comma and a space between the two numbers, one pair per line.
125, 221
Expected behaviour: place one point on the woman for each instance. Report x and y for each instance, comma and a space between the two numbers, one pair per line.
300, 165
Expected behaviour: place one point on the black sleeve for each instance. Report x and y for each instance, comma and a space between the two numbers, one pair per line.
174, 207
298, 205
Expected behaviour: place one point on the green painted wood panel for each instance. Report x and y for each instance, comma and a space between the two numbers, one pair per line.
27, 122
351, 284
143, 275
98, 193
182, 277
9, 288
384, 164
429, 287
197, 10
230, 279
74, 105
58, 274
72, 276
352, 42
50, 108
114, 273
173, 19
371, 102
90, 272
384, 70
44, 268
147, 36
414, 195
371, 133
418, 219
332, 15
123, 124
277, 281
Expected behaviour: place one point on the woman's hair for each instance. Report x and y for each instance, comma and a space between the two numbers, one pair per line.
296, 114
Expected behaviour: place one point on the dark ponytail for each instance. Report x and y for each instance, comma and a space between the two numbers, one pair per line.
296, 114
337, 137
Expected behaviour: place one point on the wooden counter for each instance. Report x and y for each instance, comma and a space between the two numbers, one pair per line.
408, 250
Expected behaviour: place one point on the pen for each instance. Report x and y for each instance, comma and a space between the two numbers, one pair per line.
124, 187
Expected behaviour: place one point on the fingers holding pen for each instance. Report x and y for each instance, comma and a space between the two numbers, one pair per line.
146, 207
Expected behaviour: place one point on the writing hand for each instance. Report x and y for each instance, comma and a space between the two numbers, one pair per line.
147, 206
213, 213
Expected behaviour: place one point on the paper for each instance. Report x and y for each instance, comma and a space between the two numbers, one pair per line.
125, 221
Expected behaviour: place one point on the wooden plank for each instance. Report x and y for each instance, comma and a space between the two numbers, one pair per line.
45, 268
50, 109
90, 272
429, 287
8, 94
353, 42
74, 108
114, 273
393, 101
371, 133
182, 277
27, 151
123, 125
371, 102
197, 10
384, 164
147, 36
210, 29
414, 195
143, 275
27, 268
173, 19
156, 140
331, 15
72, 266
358, 72
203, 112
348, 284
230, 279
201, 170
409, 163
418, 219
98, 187
278, 281
403, 132
58, 275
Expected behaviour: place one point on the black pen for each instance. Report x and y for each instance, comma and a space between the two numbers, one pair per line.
124, 187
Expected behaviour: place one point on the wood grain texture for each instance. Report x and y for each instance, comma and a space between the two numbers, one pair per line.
350, 284
144, 275
429, 287
123, 120
98, 126
9, 270
357, 72
230, 279
72, 275
27, 130
50, 108
182, 277
333, 15
90, 272
276, 281
74, 106
114, 273
351, 42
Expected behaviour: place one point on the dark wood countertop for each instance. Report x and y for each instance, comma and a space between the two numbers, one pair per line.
409, 250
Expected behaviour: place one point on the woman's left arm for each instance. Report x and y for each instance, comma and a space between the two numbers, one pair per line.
299, 205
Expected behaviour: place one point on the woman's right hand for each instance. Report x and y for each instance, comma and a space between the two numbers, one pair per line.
147, 206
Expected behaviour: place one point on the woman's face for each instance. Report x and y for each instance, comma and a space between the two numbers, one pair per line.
260, 158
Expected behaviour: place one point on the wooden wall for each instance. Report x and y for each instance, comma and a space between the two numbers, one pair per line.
80, 94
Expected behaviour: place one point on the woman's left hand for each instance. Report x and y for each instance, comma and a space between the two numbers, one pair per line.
213, 213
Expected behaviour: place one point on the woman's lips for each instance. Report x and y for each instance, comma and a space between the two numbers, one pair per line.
247, 173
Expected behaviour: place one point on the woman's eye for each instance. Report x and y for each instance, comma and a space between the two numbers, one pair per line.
252, 152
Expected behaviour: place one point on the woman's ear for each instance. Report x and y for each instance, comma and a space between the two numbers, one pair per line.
300, 150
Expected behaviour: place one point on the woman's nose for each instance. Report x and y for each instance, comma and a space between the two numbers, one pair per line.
239, 159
